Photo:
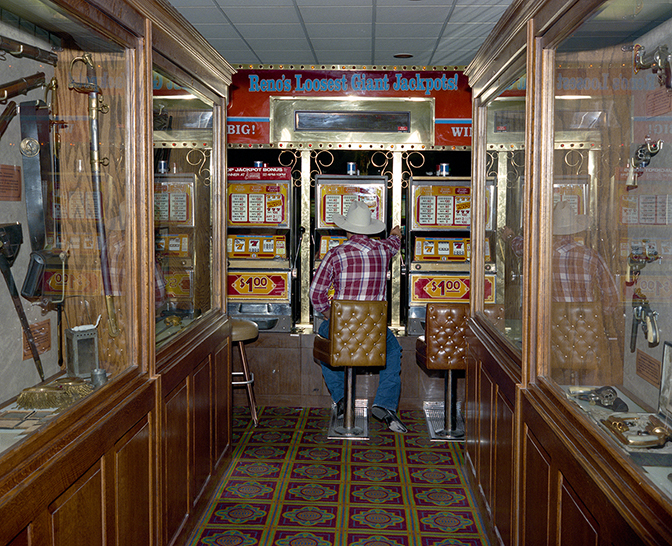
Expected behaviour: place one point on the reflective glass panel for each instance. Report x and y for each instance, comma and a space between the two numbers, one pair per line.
611, 293
64, 176
182, 206
505, 176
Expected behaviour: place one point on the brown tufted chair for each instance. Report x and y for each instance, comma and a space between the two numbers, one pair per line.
444, 347
580, 334
357, 337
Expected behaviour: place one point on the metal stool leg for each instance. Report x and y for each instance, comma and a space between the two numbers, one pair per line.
451, 430
248, 382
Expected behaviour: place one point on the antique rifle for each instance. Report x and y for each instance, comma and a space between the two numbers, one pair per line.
8, 114
20, 86
96, 105
19, 49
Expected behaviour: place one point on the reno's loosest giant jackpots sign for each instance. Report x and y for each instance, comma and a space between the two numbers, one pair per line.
249, 109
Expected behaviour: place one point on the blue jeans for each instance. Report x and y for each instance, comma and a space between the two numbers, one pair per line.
389, 382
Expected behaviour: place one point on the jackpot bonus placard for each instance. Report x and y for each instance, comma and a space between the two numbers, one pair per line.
441, 206
336, 199
258, 204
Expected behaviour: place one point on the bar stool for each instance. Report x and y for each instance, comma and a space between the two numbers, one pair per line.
443, 347
357, 337
242, 331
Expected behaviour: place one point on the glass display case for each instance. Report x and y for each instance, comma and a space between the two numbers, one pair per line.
503, 195
64, 166
610, 277
182, 206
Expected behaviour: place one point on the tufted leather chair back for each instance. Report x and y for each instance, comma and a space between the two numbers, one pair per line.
357, 334
444, 345
578, 337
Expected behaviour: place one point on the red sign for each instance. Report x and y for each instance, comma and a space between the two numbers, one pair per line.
447, 288
249, 107
258, 285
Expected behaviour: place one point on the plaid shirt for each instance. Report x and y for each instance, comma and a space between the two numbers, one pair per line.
581, 275
357, 269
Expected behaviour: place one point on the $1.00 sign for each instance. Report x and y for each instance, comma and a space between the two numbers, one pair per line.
258, 285
446, 288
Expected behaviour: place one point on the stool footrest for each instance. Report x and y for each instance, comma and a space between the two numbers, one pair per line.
249, 381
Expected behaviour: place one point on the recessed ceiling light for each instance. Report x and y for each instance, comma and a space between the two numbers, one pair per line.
403, 56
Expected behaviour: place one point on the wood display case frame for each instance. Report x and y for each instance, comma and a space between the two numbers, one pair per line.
135, 461
570, 483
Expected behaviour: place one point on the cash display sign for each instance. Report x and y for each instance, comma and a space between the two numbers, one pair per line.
258, 285
447, 288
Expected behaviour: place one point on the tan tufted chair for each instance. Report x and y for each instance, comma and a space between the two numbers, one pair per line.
580, 335
444, 347
357, 337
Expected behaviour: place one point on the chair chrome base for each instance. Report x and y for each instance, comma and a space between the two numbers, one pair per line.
435, 418
360, 430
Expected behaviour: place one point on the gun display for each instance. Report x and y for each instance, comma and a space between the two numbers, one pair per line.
96, 105
8, 114
20, 86
19, 49
644, 315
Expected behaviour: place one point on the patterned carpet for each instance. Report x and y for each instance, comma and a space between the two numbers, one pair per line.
288, 485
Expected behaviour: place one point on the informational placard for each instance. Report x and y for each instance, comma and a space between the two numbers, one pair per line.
266, 247
258, 285
441, 206
174, 199
441, 249
335, 198
258, 173
446, 288
258, 204
10, 183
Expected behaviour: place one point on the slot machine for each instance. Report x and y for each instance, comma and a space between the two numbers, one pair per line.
333, 195
262, 246
438, 245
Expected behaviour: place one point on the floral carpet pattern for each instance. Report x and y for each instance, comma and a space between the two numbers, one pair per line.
288, 485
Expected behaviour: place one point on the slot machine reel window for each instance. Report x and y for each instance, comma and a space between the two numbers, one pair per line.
504, 185
63, 200
182, 206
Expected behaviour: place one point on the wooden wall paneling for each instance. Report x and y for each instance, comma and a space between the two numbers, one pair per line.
222, 402
135, 512
486, 424
536, 489
78, 515
594, 496
576, 525
22, 539
201, 447
503, 484
472, 417
175, 473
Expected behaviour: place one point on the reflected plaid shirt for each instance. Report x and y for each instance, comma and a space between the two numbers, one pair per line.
357, 269
581, 275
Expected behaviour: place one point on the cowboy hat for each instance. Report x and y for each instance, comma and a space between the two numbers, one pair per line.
359, 220
566, 221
